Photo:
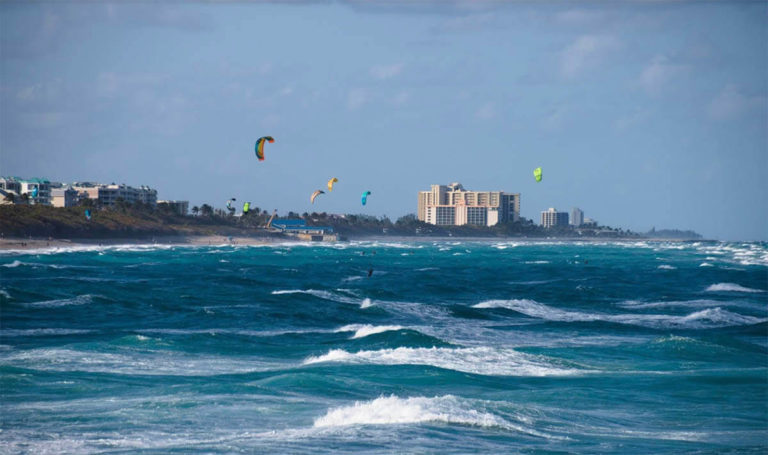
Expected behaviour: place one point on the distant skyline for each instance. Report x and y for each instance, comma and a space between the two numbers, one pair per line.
642, 114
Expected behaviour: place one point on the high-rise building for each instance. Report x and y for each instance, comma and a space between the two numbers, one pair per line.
552, 217
577, 217
452, 205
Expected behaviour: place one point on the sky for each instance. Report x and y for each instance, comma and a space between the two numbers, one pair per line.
641, 113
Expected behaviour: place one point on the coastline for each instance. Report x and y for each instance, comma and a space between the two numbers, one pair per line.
23, 244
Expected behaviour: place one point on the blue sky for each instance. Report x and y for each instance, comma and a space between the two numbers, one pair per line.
641, 113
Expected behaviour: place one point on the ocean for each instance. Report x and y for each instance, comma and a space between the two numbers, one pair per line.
447, 347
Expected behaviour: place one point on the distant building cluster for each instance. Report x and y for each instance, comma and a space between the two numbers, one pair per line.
553, 218
14, 190
452, 205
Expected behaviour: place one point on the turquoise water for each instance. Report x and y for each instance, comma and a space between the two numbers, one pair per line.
450, 347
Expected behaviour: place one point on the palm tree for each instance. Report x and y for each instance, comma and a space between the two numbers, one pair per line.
195, 210
206, 210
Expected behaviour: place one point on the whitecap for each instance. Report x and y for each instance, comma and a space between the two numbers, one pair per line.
666, 267
393, 410
326, 295
730, 287
77, 300
132, 362
476, 360
41, 332
708, 318
364, 330
698, 303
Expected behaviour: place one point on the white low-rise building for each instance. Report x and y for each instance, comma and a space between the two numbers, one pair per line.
28, 191
109, 195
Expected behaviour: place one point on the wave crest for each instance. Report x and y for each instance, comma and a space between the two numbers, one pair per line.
477, 360
709, 318
364, 330
730, 287
393, 410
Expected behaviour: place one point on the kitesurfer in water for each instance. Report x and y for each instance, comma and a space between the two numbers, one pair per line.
370, 272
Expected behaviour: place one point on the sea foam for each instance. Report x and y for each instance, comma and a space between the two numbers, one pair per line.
730, 287
476, 360
364, 330
709, 318
393, 410
77, 300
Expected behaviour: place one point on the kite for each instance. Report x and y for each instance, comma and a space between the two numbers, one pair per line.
537, 174
365, 197
87, 214
246, 207
331, 182
229, 205
260, 146
315, 194
34, 191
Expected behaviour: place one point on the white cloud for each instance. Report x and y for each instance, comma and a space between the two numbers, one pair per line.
730, 103
585, 52
387, 71
658, 73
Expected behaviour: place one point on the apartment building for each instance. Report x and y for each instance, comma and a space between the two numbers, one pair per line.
452, 205
552, 217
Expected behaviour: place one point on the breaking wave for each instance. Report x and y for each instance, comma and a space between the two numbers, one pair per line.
477, 360
730, 287
364, 330
393, 410
707, 318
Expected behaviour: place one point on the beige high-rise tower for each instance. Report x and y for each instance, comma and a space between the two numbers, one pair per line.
452, 205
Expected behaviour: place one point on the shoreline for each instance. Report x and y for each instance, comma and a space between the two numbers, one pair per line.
23, 244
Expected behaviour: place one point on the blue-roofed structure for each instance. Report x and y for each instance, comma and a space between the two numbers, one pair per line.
299, 228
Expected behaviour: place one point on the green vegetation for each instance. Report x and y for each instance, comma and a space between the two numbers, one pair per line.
140, 220
409, 225
121, 221
675, 234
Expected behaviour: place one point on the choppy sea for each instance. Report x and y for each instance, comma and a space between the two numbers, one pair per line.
447, 347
